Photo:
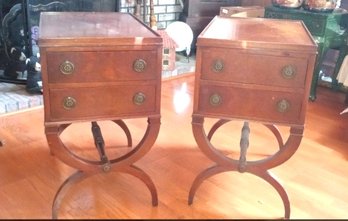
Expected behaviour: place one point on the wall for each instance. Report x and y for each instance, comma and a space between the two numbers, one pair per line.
166, 11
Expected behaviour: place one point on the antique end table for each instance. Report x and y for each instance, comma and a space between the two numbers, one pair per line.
99, 66
329, 30
252, 69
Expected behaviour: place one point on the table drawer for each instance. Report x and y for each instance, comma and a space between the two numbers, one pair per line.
256, 104
239, 67
102, 101
80, 67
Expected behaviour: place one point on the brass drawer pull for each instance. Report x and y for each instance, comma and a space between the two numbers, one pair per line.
139, 98
218, 66
69, 103
139, 65
215, 100
289, 71
67, 67
283, 106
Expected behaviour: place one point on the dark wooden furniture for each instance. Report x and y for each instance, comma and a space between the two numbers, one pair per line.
329, 30
197, 14
13, 34
252, 69
19, 21
99, 66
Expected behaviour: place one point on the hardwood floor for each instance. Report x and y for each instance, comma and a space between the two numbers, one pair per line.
315, 178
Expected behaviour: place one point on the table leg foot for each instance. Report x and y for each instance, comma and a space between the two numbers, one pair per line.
80, 176
267, 176
63, 189
205, 174
141, 175
259, 168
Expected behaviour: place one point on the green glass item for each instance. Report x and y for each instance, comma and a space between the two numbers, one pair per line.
329, 30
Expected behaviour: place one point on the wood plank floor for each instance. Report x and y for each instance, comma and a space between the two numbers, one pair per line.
315, 178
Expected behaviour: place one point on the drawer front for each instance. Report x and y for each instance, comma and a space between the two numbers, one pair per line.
244, 103
239, 67
80, 67
95, 102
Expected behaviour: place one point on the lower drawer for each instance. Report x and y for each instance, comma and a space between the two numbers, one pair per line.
101, 102
254, 104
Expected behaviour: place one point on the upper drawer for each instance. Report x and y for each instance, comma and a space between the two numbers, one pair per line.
241, 67
103, 66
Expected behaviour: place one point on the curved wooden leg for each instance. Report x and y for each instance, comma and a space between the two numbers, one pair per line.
124, 127
79, 176
141, 175
63, 189
205, 174
259, 167
276, 133
271, 127
216, 126
267, 176
87, 167
60, 150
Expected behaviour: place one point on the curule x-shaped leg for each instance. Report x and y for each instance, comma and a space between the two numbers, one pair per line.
87, 167
259, 168
120, 123
79, 176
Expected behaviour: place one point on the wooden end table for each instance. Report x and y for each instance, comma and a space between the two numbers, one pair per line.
99, 66
252, 69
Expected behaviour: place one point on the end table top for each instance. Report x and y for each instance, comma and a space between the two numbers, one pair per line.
94, 28
258, 33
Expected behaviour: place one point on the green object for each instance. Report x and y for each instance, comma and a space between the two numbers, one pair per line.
329, 30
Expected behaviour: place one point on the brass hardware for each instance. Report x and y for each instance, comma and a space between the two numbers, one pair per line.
69, 103
218, 65
215, 100
139, 65
283, 106
139, 98
289, 71
67, 67
106, 167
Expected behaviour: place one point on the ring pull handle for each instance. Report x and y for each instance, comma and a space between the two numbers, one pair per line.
139, 65
288, 71
69, 103
67, 67
139, 98
218, 66
215, 100
283, 106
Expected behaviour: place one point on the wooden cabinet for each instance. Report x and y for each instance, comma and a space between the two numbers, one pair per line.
197, 14
99, 66
252, 69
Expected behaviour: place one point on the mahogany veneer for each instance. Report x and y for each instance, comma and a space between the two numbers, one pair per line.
99, 66
252, 69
